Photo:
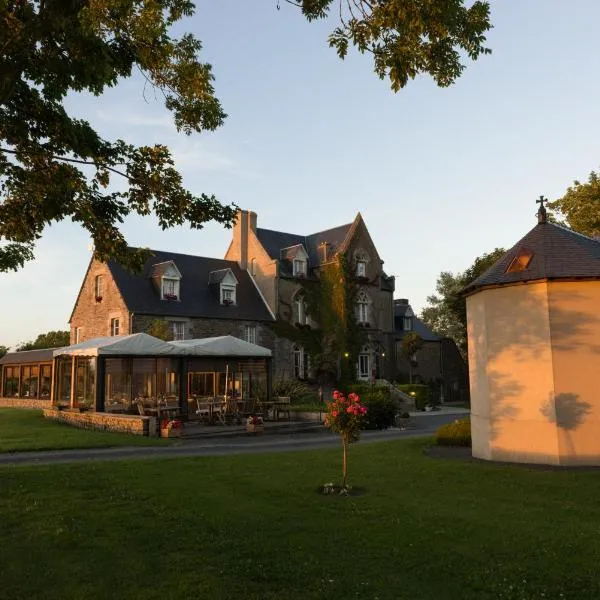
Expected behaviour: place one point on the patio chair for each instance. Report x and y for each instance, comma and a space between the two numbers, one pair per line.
203, 409
141, 408
283, 406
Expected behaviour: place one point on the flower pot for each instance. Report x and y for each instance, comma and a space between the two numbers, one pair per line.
252, 428
170, 432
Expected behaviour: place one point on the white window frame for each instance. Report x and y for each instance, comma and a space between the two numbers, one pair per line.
177, 330
361, 307
170, 285
115, 323
98, 285
364, 366
408, 324
250, 333
361, 268
78, 331
300, 303
228, 293
300, 362
299, 267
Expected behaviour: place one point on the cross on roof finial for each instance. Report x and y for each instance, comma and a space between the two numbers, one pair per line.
541, 213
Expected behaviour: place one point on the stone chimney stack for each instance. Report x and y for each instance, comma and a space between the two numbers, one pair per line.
240, 237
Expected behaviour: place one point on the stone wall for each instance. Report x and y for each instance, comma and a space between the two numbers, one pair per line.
94, 315
24, 403
133, 424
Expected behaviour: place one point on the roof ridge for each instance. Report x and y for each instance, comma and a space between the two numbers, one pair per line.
169, 252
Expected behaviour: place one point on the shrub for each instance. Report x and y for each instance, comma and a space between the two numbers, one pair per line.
418, 391
365, 389
454, 434
381, 411
298, 391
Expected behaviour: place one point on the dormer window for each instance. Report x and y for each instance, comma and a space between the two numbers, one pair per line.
167, 278
227, 294
227, 283
295, 257
299, 267
170, 288
408, 324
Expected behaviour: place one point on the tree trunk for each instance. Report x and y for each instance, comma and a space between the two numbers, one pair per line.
345, 459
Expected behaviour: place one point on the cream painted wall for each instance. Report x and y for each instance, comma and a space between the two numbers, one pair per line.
575, 332
512, 374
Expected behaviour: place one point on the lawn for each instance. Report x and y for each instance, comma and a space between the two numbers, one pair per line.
22, 430
254, 527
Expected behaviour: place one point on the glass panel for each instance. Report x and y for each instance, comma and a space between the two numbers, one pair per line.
168, 380
11, 382
45, 381
85, 382
117, 385
63, 380
144, 380
201, 384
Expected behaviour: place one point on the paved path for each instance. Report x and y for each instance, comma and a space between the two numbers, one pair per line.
279, 441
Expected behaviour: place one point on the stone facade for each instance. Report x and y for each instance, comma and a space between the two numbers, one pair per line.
24, 403
133, 424
280, 289
93, 315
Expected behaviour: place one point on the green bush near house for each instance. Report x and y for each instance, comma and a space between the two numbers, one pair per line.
454, 434
364, 389
418, 391
381, 410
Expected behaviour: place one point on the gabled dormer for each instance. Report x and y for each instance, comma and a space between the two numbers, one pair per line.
167, 279
227, 285
297, 256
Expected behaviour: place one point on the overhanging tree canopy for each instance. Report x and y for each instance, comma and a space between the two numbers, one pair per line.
54, 166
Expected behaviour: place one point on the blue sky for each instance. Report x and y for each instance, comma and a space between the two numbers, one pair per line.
439, 175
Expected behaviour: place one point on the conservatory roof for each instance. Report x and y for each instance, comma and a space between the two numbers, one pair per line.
225, 345
136, 344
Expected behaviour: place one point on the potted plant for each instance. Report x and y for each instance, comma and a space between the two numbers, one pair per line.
171, 428
255, 424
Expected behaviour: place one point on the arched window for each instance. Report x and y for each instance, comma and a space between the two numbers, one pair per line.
300, 309
361, 307
253, 267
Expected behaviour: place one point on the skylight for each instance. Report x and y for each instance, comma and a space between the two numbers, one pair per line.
521, 261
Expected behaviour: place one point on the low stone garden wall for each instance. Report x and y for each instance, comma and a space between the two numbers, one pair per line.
134, 424
311, 417
24, 403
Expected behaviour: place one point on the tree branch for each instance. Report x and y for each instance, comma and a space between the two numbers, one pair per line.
77, 161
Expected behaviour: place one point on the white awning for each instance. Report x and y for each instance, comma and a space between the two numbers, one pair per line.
225, 345
136, 344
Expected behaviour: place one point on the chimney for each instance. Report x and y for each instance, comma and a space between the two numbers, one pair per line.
323, 248
401, 301
240, 237
252, 220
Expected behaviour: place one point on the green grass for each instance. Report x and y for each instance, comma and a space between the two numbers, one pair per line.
253, 527
22, 430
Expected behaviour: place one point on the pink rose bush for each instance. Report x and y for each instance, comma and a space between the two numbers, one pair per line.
345, 416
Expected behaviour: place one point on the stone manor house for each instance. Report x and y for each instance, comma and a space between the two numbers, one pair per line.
258, 292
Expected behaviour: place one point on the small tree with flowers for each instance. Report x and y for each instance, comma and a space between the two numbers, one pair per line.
345, 415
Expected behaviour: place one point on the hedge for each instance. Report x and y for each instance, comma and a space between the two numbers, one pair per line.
454, 434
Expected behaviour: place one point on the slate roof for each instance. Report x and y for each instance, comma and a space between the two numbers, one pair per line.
197, 297
274, 241
558, 253
417, 325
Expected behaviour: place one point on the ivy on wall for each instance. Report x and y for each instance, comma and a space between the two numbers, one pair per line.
333, 348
